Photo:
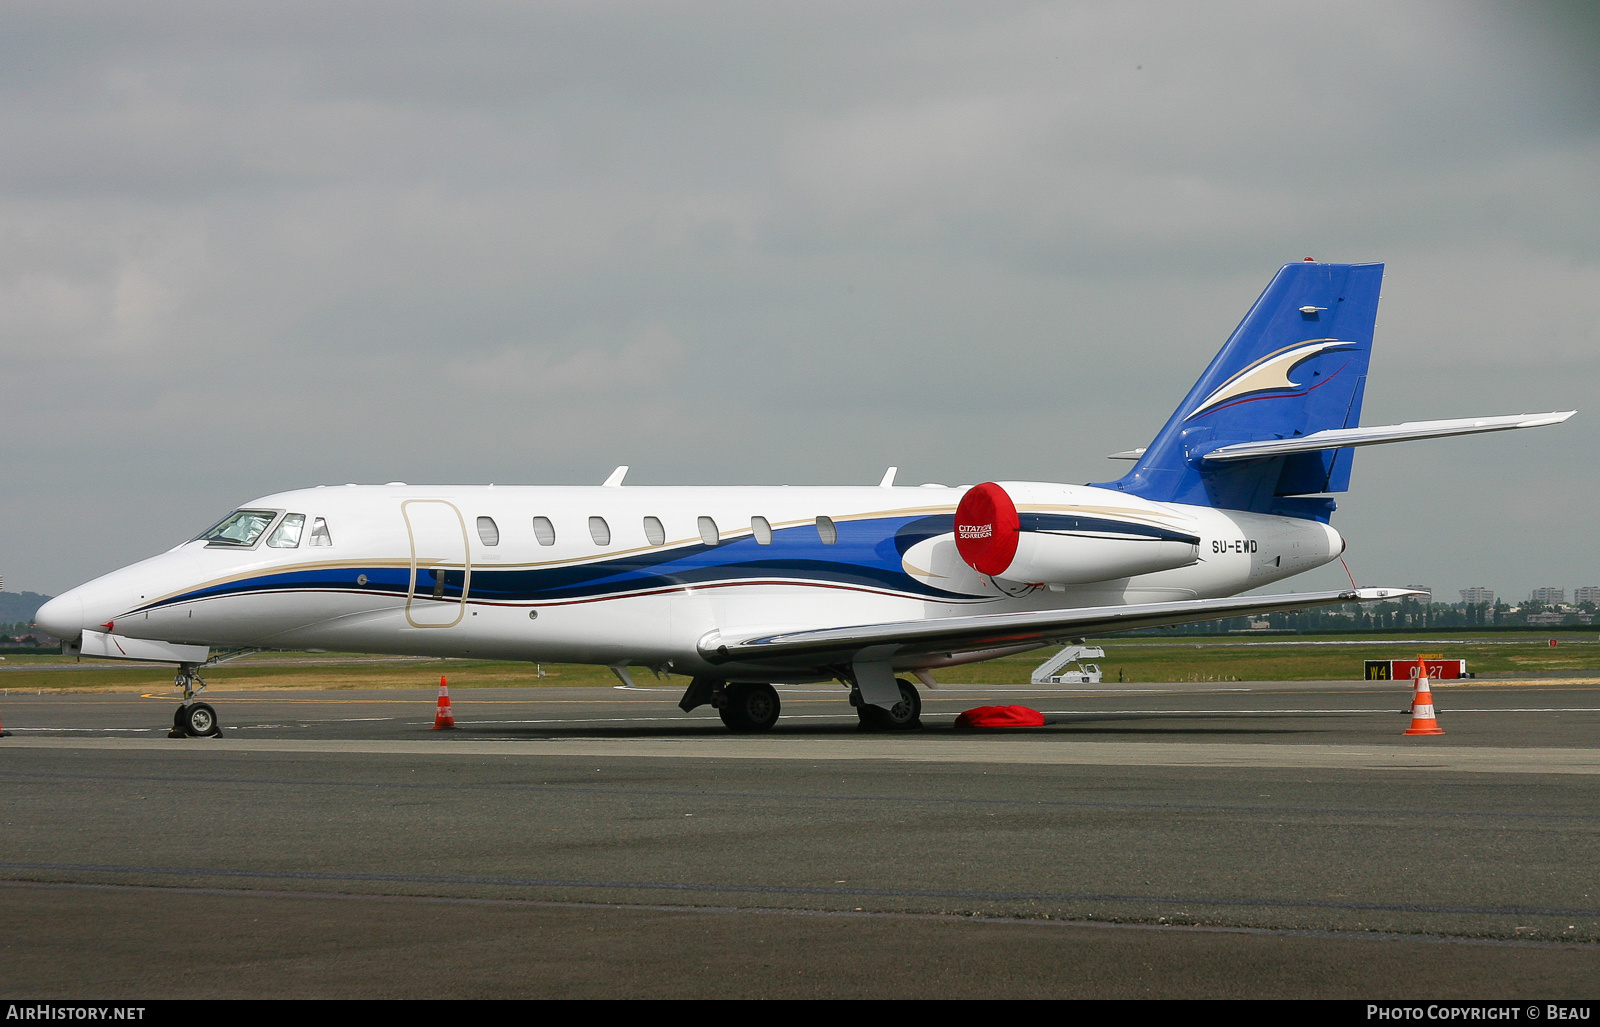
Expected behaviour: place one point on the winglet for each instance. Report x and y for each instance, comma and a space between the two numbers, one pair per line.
888, 478
615, 481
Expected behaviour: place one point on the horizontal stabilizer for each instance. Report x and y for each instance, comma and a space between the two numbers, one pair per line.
1339, 438
903, 642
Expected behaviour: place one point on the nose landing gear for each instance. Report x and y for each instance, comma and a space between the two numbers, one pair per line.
193, 719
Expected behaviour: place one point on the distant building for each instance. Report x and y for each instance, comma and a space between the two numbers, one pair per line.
32, 638
1478, 594
1549, 596
1545, 620
1586, 594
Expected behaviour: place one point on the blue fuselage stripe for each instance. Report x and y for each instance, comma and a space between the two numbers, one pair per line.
868, 554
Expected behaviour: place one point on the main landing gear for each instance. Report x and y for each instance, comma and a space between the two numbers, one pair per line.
745, 706
749, 706
905, 715
193, 719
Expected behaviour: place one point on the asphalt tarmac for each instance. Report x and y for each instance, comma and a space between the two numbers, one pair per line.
1189, 840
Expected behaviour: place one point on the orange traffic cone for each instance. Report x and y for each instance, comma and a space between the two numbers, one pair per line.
1422, 719
442, 717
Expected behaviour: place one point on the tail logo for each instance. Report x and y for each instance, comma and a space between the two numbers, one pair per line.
1269, 374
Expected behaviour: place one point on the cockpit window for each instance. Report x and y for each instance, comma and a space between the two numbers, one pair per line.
240, 528
287, 534
319, 532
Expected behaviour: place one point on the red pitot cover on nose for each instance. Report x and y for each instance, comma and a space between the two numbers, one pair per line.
1001, 716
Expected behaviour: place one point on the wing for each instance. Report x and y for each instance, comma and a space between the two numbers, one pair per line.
925, 642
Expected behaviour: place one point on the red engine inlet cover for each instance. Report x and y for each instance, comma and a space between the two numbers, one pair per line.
986, 529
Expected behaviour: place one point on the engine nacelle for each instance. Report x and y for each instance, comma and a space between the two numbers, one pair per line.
1051, 543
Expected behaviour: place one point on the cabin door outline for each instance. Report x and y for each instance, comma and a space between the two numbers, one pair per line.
440, 558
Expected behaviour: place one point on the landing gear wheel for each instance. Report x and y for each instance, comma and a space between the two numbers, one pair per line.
750, 706
198, 720
192, 719
905, 715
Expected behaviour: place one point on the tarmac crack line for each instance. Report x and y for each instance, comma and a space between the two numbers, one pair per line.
961, 918
687, 887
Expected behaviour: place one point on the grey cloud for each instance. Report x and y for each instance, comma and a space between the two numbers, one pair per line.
262, 246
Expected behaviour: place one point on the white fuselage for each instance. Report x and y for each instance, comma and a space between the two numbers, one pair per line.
603, 590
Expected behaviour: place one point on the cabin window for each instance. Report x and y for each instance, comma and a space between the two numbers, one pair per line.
488, 531
240, 528
826, 531
654, 532
600, 531
708, 531
287, 534
319, 532
761, 530
544, 531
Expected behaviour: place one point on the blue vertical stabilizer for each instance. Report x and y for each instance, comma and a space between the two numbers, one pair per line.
1296, 364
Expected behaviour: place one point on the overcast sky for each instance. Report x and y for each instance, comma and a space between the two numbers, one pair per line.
250, 247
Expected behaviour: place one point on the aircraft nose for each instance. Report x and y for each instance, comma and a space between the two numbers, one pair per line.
62, 616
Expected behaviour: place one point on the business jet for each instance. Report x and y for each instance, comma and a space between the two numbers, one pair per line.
736, 588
